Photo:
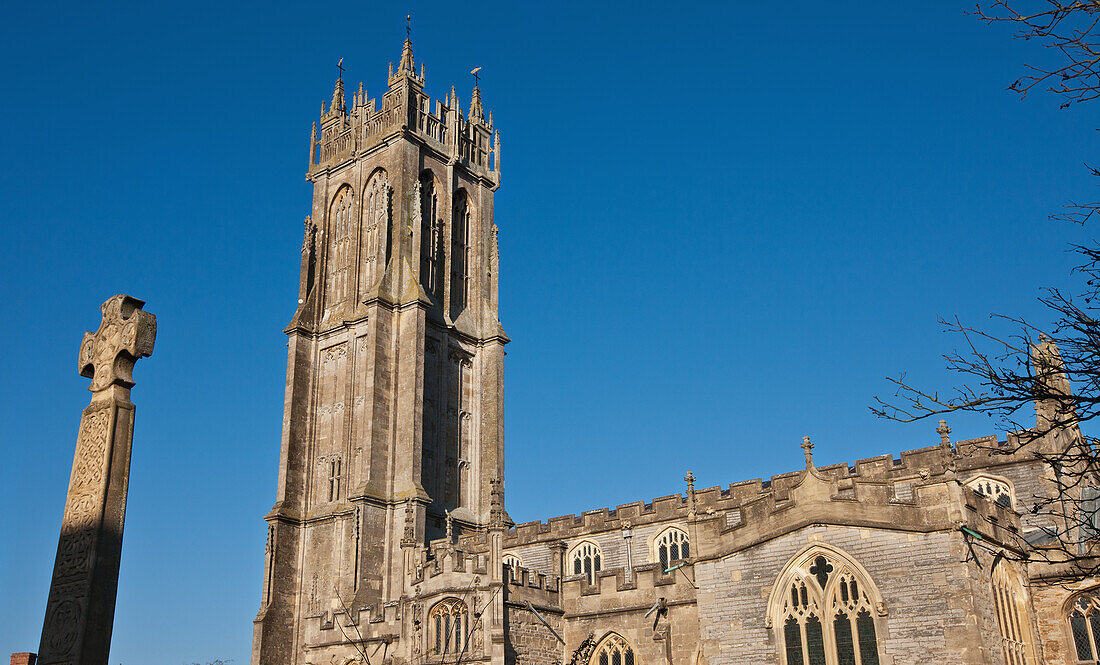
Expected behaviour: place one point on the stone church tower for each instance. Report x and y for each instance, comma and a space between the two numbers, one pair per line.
389, 544
393, 428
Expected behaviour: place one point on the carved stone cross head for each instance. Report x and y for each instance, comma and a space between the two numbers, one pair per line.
126, 333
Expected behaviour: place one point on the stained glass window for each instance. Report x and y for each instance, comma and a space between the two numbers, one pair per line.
1084, 623
613, 650
825, 612
450, 619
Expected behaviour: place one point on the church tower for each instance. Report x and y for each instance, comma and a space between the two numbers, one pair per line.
393, 431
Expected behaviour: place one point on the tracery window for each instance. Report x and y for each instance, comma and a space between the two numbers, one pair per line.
671, 546
823, 609
513, 562
429, 234
586, 560
994, 489
375, 230
449, 623
339, 257
1010, 602
460, 254
612, 650
1084, 625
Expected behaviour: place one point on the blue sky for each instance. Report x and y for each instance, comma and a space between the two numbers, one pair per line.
721, 228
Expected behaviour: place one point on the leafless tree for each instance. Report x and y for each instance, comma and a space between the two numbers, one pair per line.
1040, 382
1070, 65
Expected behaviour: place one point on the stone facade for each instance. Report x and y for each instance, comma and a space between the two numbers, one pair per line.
389, 543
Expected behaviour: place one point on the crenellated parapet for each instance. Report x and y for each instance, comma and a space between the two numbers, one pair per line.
350, 132
878, 490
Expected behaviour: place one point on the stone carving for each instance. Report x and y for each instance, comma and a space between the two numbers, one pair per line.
126, 334
80, 607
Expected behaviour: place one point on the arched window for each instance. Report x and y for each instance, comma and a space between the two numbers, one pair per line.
823, 610
429, 234
994, 489
1084, 627
449, 623
339, 253
586, 560
671, 546
1013, 618
460, 254
612, 650
512, 561
376, 225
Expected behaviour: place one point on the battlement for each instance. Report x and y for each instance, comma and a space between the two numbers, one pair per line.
522, 585
345, 134
882, 480
444, 560
615, 580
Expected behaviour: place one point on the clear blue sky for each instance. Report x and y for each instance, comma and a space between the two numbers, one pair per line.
721, 228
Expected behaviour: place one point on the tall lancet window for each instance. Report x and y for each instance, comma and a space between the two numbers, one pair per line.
376, 215
1011, 605
460, 254
430, 227
339, 251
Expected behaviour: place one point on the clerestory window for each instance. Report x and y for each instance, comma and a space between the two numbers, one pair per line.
671, 546
994, 489
586, 560
513, 562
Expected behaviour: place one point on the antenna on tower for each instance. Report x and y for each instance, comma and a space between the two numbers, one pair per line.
340, 66
474, 71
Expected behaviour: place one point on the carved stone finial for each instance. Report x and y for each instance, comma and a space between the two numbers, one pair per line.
689, 478
476, 111
406, 65
945, 433
808, 450
338, 97
450, 527
126, 333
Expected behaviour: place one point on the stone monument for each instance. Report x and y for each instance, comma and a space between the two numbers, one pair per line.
81, 605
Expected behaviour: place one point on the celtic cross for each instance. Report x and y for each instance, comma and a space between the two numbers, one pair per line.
81, 605
126, 333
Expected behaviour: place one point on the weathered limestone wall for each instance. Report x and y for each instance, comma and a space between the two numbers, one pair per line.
929, 589
1050, 601
526, 640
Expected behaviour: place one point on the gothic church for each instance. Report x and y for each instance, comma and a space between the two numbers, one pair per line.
389, 543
